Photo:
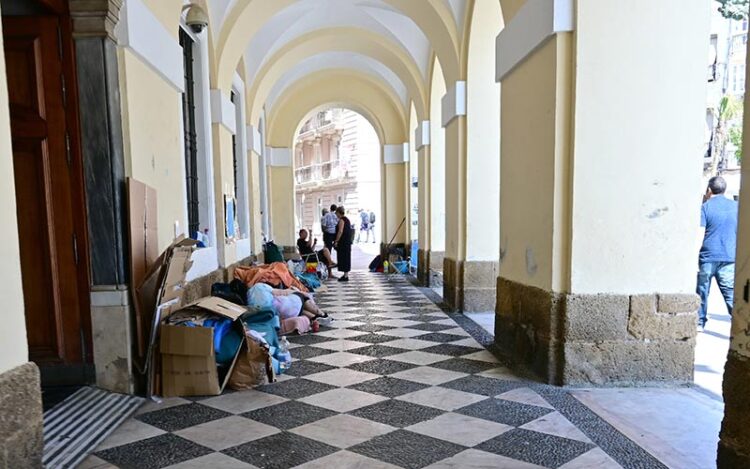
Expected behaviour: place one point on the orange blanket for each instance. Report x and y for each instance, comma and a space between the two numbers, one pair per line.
277, 275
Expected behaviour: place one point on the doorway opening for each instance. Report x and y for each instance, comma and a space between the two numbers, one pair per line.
337, 157
722, 157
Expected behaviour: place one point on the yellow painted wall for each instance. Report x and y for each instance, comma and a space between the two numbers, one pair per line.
253, 176
437, 162
455, 188
167, 12
483, 135
425, 223
395, 194
527, 169
13, 343
639, 120
223, 186
152, 127
281, 200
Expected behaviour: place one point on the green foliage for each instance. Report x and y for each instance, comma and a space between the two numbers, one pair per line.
734, 9
729, 107
735, 136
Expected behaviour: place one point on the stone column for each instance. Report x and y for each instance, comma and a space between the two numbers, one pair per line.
422, 145
395, 169
472, 199
454, 121
599, 200
734, 444
104, 168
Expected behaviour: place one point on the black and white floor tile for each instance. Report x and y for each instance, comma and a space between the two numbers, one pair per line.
393, 382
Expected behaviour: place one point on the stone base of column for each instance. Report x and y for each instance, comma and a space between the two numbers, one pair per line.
423, 267
112, 337
470, 285
734, 444
570, 339
21, 427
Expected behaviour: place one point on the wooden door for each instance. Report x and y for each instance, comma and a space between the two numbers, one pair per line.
48, 193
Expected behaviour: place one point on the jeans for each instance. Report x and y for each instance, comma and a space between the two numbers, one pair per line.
724, 273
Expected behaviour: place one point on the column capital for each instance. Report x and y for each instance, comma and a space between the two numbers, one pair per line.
454, 102
422, 135
95, 18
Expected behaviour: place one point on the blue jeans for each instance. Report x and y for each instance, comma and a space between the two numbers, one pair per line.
724, 273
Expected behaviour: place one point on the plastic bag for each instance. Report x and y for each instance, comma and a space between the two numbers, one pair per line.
322, 272
260, 296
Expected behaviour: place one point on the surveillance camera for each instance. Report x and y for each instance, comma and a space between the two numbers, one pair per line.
196, 18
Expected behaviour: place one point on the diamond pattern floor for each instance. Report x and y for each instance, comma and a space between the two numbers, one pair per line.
393, 382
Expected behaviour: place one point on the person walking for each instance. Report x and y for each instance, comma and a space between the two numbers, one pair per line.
343, 244
364, 220
718, 250
328, 224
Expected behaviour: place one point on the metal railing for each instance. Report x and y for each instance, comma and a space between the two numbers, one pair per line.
321, 172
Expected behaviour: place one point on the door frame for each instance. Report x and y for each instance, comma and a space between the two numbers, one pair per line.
82, 372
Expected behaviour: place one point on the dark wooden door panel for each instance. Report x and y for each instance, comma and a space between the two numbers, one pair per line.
31, 167
45, 189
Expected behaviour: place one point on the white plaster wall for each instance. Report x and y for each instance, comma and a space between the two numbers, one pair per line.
741, 314
13, 343
483, 136
638, 136
437, 161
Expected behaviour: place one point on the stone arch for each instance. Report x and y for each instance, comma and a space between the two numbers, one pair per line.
482, 132
437, 163
247, 17
363, 42
342, 87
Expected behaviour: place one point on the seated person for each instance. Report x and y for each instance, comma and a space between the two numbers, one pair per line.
307, 248
291, 303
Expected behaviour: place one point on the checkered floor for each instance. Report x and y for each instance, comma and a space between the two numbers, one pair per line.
394, 382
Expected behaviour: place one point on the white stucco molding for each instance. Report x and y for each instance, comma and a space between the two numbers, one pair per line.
253, 140
141, 32
223, 111
422, 135
396, 154
454, 102
279, 157
533, 25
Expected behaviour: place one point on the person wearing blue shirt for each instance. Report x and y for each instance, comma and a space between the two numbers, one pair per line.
717, 254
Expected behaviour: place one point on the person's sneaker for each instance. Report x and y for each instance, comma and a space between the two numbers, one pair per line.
343, 279
701, 328
324, 320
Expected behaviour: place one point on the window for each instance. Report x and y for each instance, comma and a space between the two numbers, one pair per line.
190, 135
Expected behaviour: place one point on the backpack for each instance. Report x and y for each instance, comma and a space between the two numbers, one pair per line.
372, 217
272, 253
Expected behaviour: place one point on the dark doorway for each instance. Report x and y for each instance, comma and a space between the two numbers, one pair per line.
49, 189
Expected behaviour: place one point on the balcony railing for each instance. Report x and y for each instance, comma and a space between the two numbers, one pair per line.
321, 172
322, 119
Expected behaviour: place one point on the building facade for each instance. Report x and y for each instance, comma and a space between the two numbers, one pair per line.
336, 162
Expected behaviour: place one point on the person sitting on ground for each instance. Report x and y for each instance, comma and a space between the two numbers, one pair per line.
307, 248
291, 303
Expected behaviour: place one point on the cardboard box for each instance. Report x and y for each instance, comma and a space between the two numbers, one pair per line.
188, 359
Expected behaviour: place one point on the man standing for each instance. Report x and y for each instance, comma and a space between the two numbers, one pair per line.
328, 223
364, 221
717, 254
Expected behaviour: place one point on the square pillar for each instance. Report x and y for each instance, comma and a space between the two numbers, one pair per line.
599, 200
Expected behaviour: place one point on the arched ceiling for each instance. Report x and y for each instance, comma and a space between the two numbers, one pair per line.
409, 32
344, 88
339, 60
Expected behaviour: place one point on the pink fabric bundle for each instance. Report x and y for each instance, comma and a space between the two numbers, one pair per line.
300, 324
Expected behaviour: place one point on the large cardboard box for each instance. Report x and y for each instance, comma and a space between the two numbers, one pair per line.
188, 359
